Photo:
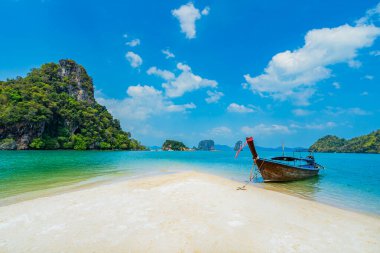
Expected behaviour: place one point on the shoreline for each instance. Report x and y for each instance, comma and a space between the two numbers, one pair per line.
177, 212
123, 177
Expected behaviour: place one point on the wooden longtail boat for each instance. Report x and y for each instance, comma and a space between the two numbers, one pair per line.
284, 168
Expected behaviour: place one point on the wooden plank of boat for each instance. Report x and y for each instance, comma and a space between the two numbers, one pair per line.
273, 171
278, 172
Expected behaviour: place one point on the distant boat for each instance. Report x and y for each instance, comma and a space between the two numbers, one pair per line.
284, 168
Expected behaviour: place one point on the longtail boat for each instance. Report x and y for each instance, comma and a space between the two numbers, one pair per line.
284, 168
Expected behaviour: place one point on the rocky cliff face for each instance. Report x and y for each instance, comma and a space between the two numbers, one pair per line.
54, 107
81, 87
206, 145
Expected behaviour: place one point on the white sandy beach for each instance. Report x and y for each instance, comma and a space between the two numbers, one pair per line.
182, 212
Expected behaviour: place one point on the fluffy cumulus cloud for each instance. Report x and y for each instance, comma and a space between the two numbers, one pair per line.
134, 59
233, 107
187, 15
263, 129
185, 81
293, 74
143, 101
168, 54
165, 74
133, 43
213, 96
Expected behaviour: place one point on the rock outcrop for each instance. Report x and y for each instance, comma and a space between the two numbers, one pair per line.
54, 107
172, 145
238, 145
206, 145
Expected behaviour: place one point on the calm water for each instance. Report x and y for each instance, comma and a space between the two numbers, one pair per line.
351, 181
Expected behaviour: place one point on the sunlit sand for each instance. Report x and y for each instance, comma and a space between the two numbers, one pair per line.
182, 212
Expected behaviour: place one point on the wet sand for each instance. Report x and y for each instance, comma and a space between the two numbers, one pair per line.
182, 212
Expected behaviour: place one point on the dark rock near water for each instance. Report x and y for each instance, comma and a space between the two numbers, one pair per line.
206, 145
8, 144
238, 145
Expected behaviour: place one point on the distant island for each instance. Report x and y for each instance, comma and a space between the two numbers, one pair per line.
206, 145
369, 143
172, 145
53, 107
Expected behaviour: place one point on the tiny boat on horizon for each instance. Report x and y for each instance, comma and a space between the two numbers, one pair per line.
284, 168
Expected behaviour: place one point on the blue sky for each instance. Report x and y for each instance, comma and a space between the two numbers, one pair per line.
281, 71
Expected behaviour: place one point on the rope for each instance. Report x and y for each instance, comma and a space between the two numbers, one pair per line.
240, 149
251, 177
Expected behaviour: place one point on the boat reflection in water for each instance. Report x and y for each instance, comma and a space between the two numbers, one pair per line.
308, 188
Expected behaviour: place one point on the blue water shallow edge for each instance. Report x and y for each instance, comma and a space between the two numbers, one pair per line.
350, 181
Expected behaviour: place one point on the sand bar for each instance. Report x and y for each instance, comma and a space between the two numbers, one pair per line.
182, 212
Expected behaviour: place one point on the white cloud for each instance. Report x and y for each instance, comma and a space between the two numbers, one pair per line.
301, 112
125, 35
187, 14
165, 74
205, 11
370, 16
336, 111
222, 130
358, 111
272, 129
143, 101
320, 126
167, 53
369, 77
336, 85
364, 93
354, 64
133, 43
293, 74
186, 81
213, 96
134, 59
375, 53
263, 129
233, 107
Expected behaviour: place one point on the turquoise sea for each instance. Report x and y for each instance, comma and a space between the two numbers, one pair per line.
350, 181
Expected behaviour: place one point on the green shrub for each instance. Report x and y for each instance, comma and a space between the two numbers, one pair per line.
37, 143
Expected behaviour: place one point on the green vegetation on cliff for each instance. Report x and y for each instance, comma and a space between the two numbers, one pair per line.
174, 145
369, 143
54, 107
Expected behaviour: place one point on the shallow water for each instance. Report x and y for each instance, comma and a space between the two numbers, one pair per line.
350, 181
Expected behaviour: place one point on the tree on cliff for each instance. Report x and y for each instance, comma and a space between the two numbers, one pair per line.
174, 145
54, 107
369, 143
